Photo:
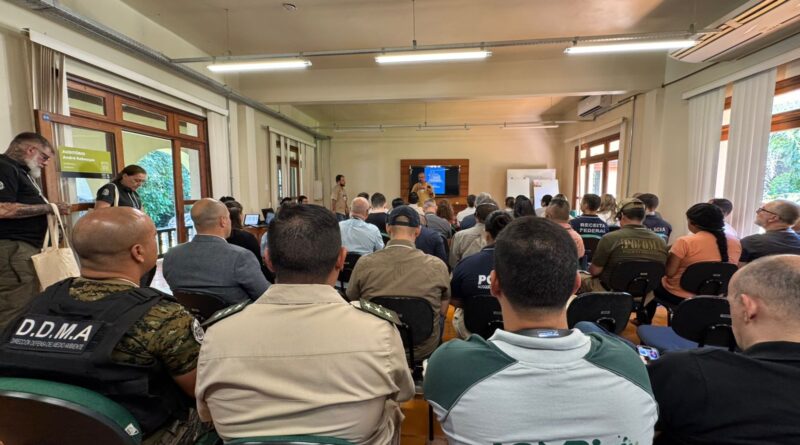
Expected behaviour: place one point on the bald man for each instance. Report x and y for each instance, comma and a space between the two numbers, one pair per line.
711, 395
135, 345
209, 264
359, 236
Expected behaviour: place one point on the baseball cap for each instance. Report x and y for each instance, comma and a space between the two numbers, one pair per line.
629, 203
411, 215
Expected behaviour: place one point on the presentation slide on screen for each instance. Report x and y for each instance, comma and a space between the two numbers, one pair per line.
435, 176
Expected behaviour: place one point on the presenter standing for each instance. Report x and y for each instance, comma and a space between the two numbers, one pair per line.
423, 189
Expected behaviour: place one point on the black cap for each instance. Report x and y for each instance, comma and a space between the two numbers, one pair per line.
410, 214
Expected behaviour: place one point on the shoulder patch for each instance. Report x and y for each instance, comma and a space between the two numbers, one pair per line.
106, 192
379, 311
2, 186
197, 331
224, 313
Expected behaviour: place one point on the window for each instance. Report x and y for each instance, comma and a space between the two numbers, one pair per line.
288, 175
119, 130
782, 173
596, 167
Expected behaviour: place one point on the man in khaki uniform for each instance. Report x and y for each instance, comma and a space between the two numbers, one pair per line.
301, 360
423, 189
402, 270
339, 199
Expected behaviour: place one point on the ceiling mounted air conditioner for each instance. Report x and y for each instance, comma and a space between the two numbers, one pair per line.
590, 105
756, 24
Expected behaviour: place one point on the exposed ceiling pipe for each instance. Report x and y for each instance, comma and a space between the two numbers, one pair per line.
95, 29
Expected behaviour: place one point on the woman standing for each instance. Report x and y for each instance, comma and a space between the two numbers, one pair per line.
121, 191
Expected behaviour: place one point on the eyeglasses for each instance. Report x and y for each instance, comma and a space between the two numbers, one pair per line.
45, 157
762, 209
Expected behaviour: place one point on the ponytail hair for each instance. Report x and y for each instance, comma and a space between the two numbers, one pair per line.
129, 170
709, 218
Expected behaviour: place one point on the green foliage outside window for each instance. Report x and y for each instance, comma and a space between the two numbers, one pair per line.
158, 193
782, 177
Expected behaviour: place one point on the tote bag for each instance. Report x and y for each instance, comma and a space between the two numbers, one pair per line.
55, 263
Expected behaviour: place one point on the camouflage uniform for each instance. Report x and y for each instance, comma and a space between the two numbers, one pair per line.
165, 335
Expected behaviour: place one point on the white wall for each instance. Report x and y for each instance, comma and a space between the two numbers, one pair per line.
372, 163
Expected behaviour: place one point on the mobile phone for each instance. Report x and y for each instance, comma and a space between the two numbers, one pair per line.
648, 352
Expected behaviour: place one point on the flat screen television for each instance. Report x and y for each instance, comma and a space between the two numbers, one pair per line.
445, 179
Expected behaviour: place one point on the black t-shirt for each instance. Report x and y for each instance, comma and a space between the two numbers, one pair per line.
471, 275
770, 243
658, 225
591, 225
16, 186
127, 197
712, 396
378, 220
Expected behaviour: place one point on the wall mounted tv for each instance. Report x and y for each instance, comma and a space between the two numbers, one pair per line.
443, 178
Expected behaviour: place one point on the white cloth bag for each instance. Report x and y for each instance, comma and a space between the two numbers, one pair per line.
55, 263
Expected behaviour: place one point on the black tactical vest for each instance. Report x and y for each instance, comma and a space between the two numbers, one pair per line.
63, 339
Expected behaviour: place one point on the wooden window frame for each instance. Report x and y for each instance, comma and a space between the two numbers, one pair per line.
604, 157
781, 121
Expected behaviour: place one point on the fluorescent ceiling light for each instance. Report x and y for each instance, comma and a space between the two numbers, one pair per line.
527, 126
432, 56
358, 130
630, 46
444, 128
264, 65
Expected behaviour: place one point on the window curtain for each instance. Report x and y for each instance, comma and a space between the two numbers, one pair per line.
705, 126
748, 140
219, 153
49, 80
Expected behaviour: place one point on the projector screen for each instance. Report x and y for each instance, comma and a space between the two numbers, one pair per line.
443, 178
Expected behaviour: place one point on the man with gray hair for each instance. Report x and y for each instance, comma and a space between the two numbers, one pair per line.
209, 264
469, 241
434, 222
23, 220
711, 395
359, 236
777, 218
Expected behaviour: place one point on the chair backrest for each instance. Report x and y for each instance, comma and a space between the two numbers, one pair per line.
414, 312
349, 264
590, 243
708, 278
289, 440
611, 310
637, 278
482, 315
705, 320
43, 412
200, 304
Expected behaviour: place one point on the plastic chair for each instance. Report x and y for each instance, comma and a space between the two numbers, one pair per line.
201, 305
708, 278
349, 264
698, 322
590, 243
289, 440
611, 310
638, 278
43, 412
482, 315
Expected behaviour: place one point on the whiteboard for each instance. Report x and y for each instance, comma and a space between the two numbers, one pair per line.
543, 187
518, 186
519, 181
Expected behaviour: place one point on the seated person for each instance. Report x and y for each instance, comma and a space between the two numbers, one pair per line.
144, 350
608, 209
209, 264
710, 395
558, 212
632, 242
776, 218
469, 221
545, 201
589, 225
535, 381
301, 360
435, 222
471, 275
708, 242
727, 208
509, 205
523, 207
242, 238
469, 210
378, 212
469, 241
653, 220
428, 240
402, 270
358, 236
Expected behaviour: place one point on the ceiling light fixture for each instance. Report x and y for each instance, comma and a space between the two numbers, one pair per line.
527, 126
443, 128
630, 47
263, 65
432, 56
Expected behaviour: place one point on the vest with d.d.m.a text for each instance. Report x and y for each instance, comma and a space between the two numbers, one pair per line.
63, 339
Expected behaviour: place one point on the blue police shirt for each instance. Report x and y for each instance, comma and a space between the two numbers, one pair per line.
591, 225
471, 275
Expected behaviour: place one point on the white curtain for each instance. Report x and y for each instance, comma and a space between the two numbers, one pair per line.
219, 154
751, 117
49, 80
705, 125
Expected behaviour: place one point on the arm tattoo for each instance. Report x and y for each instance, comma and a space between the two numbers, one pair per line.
15, 210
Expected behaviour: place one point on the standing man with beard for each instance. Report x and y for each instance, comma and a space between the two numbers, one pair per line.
23, 220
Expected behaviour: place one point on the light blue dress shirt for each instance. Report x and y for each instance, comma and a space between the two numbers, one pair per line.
359, 236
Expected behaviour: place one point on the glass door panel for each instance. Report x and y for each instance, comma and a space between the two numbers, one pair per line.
191, 177
154, 154
611, 179
595, 184
83, 189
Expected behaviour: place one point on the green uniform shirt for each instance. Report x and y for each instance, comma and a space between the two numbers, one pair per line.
630, 243
164, 333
